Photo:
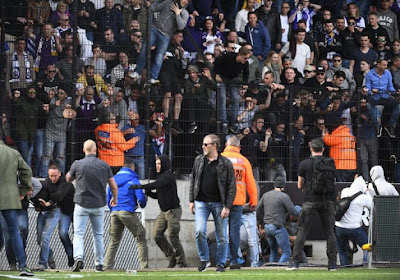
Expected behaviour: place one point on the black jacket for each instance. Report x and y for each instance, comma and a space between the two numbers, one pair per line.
165, 185
60, 195
226, 180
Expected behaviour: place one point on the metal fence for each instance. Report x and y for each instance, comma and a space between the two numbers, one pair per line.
126, 258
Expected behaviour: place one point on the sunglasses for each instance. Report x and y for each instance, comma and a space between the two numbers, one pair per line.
352, 23
307, 71
52, 71
381, 40
337, 60
320, 74
207, 144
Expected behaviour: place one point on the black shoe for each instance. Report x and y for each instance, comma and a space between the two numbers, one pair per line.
77, 265
176, 127
172, 262
52, 262
220, 269
293, 266
192, 128
99, 268
332, 267
71, 261
25, 272
391, 131
203, 266
235, 266
225, 128
234, 129
182, 265
379, 132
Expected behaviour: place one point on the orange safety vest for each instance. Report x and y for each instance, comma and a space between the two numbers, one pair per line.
244, 176
112, 144
342, 146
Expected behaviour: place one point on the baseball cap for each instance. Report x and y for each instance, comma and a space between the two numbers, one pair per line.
320, 69
309, 67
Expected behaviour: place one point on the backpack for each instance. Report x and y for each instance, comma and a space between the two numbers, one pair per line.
323, 176
343, 204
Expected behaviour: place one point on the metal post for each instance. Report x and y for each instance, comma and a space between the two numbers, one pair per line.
148, 88
74, 72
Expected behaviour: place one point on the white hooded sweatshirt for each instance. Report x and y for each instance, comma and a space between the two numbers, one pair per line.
378, 177
353, 216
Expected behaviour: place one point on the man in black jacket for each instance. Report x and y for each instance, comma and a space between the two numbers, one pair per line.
171, 212
212, 190
55, 203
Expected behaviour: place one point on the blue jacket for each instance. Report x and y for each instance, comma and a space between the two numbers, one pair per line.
383, 84
127, 198
138, 150
259, 38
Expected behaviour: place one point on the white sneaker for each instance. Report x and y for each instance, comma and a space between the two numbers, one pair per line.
154, 81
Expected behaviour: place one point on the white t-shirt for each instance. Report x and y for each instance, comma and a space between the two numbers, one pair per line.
285, 26
303, 52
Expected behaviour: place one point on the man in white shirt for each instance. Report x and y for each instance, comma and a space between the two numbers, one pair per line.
241, 16
349, 227
303, 51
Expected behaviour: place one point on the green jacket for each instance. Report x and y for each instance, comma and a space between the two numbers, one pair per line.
27, 117
11, 166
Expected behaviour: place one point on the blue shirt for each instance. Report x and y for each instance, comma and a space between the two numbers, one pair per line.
138, 150
383, 84
127, 198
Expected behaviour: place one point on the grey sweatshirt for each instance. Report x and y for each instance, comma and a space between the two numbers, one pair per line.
273, 206
165, 19
388, 20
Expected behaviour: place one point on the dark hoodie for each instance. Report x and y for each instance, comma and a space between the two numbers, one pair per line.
60, 194
165, 185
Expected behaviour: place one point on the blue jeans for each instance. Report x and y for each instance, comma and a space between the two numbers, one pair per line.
249, 221
235, 221
343, 236
343, 175
161, 42
202, 212
63, 232
278, 236
11, 220
26, 149
389, 104
39, 148
234, 93
139, 166
23, 226
50, 222
81, 217
50, 146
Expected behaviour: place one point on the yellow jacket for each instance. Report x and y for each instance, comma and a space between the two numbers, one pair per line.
244, 176
100, 84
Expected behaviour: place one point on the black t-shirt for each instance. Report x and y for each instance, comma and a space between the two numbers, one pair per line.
306, 171
209, 191
250, 147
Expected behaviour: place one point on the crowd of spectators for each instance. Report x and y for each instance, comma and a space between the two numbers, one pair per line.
279, 73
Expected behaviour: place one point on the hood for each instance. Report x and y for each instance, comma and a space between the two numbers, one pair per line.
358, 185
165, 163
377, 173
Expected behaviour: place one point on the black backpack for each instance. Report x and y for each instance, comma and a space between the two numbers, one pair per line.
323, 176
343, 204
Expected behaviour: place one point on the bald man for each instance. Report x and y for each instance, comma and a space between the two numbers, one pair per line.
92, 176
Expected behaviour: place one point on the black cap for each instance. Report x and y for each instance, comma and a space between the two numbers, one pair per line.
320, 69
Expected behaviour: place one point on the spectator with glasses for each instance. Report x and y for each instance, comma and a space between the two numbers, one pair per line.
349, 82
350, 38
